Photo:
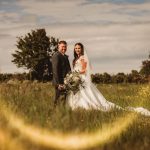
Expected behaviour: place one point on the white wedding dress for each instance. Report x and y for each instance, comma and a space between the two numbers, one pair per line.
90, 97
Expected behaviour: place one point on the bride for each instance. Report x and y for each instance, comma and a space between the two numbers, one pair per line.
90, 97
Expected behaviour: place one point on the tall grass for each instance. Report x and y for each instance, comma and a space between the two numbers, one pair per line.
33, 102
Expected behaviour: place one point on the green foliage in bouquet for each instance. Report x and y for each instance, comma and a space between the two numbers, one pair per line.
73, 82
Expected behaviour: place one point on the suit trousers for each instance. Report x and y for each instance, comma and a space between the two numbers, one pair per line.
58, 94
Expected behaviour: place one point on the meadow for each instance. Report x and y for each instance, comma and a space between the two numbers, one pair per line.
32, 102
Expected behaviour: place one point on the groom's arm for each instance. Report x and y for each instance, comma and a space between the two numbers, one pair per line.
55, 68
68, 64
69, 68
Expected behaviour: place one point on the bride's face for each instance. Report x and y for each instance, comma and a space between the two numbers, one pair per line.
77, 49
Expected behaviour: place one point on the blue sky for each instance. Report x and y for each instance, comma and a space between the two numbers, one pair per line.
115, 33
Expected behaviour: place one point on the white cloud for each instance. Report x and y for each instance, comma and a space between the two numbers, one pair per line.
116, 36
74, 11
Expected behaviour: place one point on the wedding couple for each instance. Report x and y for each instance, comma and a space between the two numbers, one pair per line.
88, 97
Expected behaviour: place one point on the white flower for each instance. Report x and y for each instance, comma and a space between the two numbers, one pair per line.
76, 79
65, 81
71, 75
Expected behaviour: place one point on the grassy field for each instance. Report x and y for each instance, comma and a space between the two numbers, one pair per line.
32, 103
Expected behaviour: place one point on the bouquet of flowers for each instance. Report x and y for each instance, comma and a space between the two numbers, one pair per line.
73, 82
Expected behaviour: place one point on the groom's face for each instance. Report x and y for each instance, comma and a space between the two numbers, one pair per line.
62, 48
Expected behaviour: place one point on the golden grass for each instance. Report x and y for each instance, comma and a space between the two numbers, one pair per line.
26, 109
69, 141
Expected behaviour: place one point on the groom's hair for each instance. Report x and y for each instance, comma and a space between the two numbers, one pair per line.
62, 42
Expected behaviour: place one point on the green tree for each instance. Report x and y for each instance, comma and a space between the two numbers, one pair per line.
136, 77
120, 77
97, 78
145, 69
106, 77
34, 53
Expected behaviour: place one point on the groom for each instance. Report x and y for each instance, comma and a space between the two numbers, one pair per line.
61, 67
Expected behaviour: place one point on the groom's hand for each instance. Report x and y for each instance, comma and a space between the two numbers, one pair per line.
60, 87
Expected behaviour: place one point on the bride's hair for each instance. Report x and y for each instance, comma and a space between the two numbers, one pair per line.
75, 54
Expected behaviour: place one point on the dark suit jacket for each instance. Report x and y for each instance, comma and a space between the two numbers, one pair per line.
60, 67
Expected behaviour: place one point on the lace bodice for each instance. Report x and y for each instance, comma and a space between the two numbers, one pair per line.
78, 68
78, 64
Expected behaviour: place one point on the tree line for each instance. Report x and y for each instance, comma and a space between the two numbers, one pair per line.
106, 78
35, 50
133, 77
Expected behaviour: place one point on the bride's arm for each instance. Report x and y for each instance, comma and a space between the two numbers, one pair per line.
84, 65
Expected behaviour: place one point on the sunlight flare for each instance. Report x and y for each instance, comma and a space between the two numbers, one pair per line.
72, 141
